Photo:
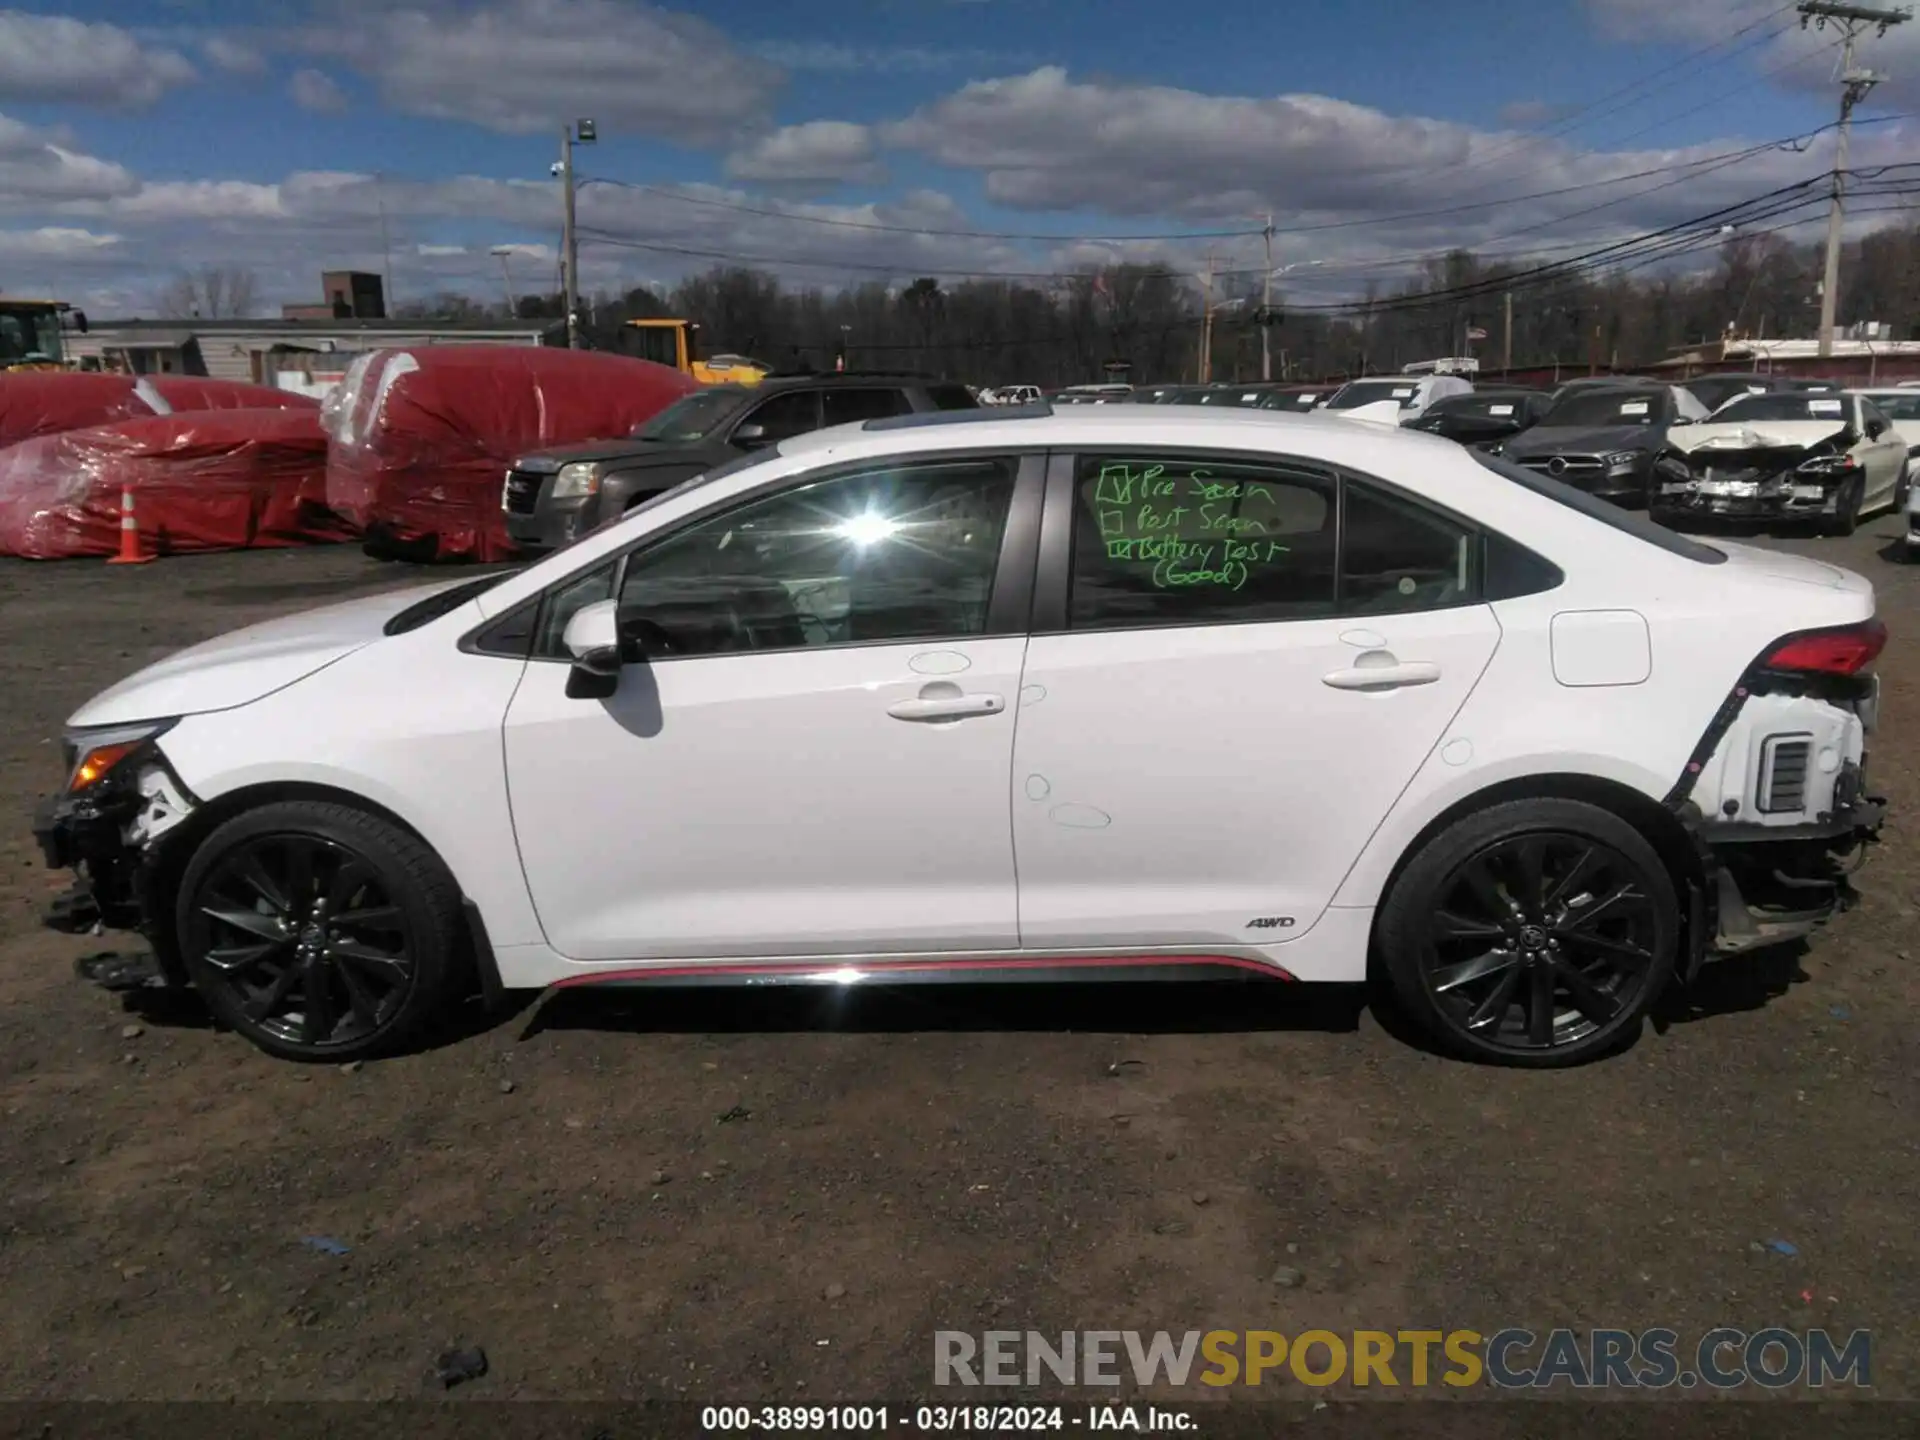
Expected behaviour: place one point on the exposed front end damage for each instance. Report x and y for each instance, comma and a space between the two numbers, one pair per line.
1776, 800
1752, 475
108, 828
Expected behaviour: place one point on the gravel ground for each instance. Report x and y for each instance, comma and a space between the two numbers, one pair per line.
561, 1187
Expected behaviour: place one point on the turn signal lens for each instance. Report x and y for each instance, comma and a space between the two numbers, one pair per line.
1845, 650
95, 764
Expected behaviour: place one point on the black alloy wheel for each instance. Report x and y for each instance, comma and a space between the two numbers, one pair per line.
1536, 933
1541, 940
317, 931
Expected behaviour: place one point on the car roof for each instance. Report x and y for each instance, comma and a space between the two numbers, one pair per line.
1311, 436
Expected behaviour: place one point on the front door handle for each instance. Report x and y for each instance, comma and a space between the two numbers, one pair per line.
1393, 675
947, 707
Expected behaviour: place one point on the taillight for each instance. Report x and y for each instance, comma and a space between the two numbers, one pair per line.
1843, 650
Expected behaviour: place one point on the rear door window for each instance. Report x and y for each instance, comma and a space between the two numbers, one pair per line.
868, 402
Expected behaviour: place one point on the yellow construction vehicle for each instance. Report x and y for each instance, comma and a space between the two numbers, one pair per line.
33, 333
677, 343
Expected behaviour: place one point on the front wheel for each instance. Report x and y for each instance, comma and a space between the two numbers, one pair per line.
1845, 518
320, 932
1535, 933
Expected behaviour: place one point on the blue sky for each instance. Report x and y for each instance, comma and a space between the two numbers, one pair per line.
150, 136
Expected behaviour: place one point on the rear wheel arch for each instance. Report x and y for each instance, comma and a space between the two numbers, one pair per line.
1662, 828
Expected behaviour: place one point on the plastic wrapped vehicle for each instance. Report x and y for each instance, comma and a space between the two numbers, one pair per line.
422, 438
201, 480
45, 402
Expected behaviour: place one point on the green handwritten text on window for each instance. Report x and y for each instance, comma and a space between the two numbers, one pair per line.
1196, 527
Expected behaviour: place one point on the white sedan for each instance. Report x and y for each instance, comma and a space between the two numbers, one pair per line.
1121, 692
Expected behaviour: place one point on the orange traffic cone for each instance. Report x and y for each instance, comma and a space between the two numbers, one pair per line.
129, 533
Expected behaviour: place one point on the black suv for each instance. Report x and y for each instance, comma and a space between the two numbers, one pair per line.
554, 497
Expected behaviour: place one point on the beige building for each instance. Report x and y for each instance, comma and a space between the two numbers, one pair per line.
308, 353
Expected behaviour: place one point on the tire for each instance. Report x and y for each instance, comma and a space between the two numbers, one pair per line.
1548, 987
1663, 515
301, 981
1846, 510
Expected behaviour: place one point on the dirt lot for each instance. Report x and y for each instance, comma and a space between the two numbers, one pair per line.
899, 1163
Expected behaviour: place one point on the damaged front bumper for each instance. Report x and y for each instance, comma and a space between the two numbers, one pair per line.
109, 836
1747, 487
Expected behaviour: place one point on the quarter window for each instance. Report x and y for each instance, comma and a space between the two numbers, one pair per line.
1169, 541
896, 554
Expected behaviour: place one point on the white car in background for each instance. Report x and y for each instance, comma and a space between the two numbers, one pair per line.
1901, 404
1393, 399
1290, 693
1784, 455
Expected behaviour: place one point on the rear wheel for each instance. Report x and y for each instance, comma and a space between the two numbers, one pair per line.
320, 932
1535, 933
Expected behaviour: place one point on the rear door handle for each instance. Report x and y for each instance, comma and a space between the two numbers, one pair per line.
1383, 677
947, 707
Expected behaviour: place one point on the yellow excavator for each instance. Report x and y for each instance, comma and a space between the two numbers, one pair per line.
33, 333
677, 343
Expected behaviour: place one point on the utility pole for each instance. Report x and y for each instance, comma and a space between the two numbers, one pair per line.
1266, 307
1854, 85
1506, 349
1205, 368
582, 132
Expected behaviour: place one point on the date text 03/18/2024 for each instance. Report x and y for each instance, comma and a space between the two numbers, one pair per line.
944, 1419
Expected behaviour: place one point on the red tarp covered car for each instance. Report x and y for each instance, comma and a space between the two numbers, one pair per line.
45, 402
422, 438
201, 480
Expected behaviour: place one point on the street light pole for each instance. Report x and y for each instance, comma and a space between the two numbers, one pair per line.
502, 253
584, 132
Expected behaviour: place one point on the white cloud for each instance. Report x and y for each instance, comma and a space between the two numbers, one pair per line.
55, 242
439, 252
57, 59
1786, 55
818, 152
317, 91
826, 56
522, 66
236, 57
35, 168
1046, 142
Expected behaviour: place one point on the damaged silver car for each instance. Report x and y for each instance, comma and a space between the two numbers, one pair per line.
1781, 456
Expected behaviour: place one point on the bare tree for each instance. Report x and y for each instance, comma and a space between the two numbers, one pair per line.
218, 292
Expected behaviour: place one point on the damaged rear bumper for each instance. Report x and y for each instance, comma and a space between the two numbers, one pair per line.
1780, 815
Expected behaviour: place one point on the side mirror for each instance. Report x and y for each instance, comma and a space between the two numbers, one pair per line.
750, 434
592, 637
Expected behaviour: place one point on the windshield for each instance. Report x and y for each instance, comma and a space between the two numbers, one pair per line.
1628, 521
1480, 407
1783, 405
29, 334
1367, 392
1608, 407
1904, 406
693, 417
